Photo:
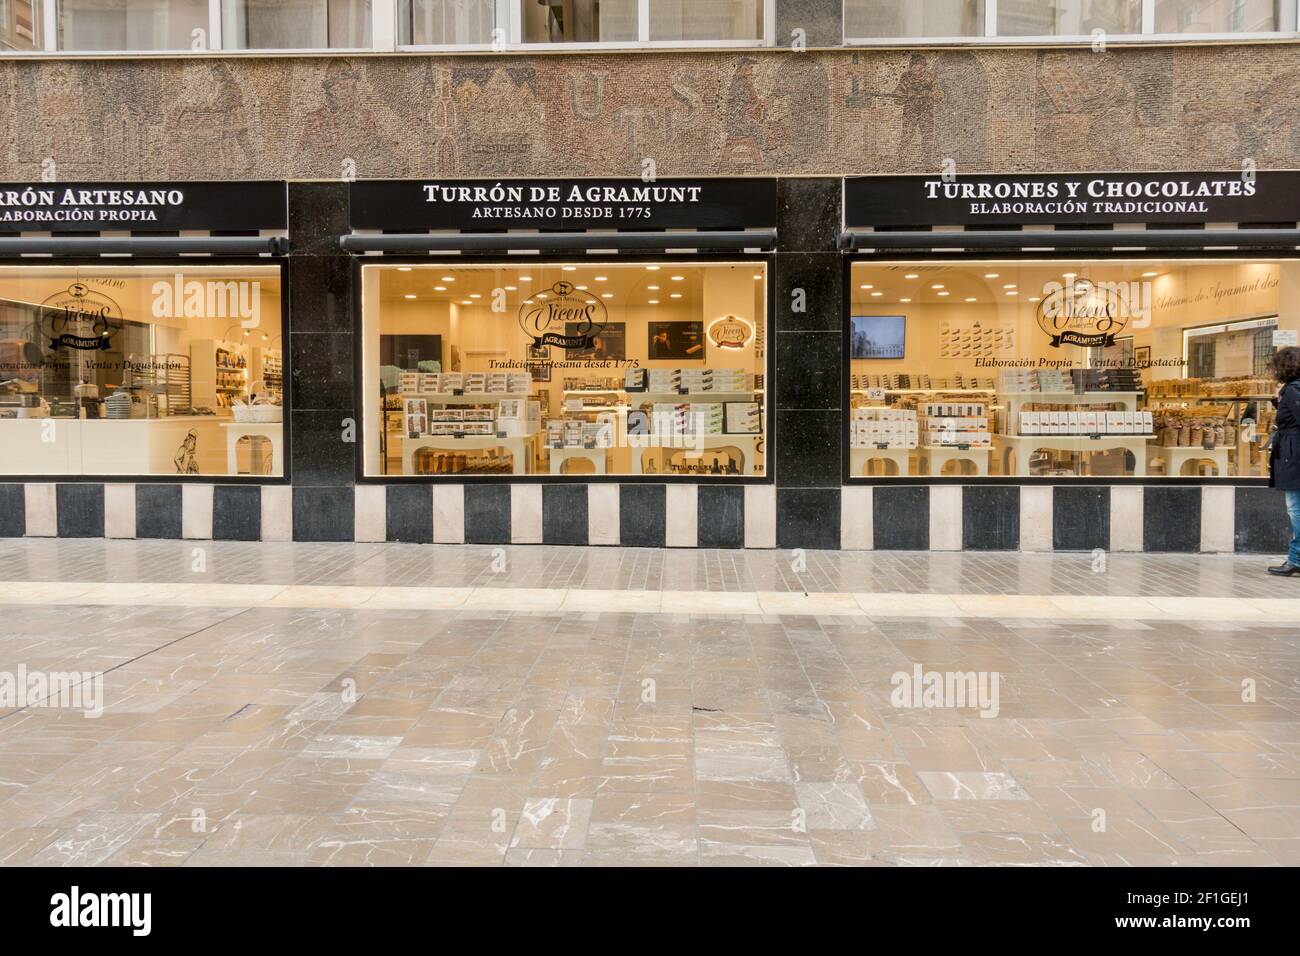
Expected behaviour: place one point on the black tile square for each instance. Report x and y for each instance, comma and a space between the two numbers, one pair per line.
1171, 519
808, 370
409, 513
320, 294
237, 513
320, 365
80, 510
487, 514
318, 215
900, 517
317, 450
564, 514
808, 210
324, 514
1080, 518
158, 511
809, 291
808, 518
1262, 525
990, 517
13, 511
807, 448
642, 516
721, 516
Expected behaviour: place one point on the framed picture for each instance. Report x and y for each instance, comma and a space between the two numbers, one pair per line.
609, 343
415, 415
742, 418
879, 336
682, 341
1142, 356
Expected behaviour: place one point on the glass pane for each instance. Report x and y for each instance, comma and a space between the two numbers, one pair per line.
294, 24
1037, 18
582, 369
141, 370
131, 24
1217, 16
706, 20
440, 22
1042, 369
579, 21
914, 18
20, 25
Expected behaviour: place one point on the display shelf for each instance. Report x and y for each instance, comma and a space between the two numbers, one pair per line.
928, 391
471, 398
692, 397
1019, 444
1082, 397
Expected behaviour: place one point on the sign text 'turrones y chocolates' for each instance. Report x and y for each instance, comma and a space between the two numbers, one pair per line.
565, 204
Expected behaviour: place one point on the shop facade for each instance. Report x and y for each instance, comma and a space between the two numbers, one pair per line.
1038, 362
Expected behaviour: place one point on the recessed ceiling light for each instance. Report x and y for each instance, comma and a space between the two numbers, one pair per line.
679, 278
607, 295
410, 297
466, 302
570, 268
653, 288
541, 295
1013, 292
475, 295
971, 299
1069, 275
525, 278
937, 285
1034, 298
675, 295
867, 286
1009, 285
448, 279
943, 293
403, 268
582, 287
440, 288
601, 278
654, 301
990, 275
904, 300
511, 288
652, 268
758, 277
877, 294
1150, 275
911, 275
528, 301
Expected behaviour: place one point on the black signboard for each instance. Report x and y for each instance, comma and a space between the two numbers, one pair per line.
143, 207
1072, 199
491, 205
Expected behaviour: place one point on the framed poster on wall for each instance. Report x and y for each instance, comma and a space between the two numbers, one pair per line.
683, 341
742, 418
879, 336
609, 343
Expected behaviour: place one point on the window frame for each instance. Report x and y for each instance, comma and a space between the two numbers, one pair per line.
281, 263
1011, 257
640, 258
1288, 29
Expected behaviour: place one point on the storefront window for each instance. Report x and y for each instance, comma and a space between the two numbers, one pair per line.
1040, 369
1218, 16
131, 24
141, 370
294, 24
20, 25
914, 18
447, 22
565, 369
1040, 18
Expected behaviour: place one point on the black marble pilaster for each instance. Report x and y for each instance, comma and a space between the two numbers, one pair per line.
1080, 518
808, 518
323, 514
721, 516
408, 513
158, 511
900, 517
1171, 519
1262, 525
237, 513
487, 514
807, 448
564, 514
642, 511
990, 517
80, 510
13, 511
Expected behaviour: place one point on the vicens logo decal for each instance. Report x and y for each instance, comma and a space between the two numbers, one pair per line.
564, 316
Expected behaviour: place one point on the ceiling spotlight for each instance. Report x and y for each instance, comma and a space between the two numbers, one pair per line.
410, 297
525, 278
440, 288
652, 268
911, 275
876, 294
868, 286
1150, 275
971, 299
654, 301
607, 295
448, 279
601, 278
675, 295
569, 268
475, 295
511, 288
990, 275
653, 288
904, 300
403, 268
678, 278
937, 285
943, 293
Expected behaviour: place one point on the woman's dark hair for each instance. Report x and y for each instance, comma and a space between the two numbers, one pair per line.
1286, 364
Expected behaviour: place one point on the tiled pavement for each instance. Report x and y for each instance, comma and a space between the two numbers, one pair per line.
328, 729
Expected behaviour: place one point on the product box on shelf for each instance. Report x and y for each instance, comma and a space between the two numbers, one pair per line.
447, 415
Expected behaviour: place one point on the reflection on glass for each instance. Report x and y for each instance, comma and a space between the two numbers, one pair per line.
1105, 368
578, 369
131, 24
1217, 16
294, 24
1034, 18
141, 370
447, 22
20, 25
706, 20
579, 21
913, 18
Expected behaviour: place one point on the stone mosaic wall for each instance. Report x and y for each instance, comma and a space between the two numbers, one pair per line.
829, 112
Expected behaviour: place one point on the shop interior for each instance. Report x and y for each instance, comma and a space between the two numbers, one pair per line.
668, 380
1105, 368
141, 370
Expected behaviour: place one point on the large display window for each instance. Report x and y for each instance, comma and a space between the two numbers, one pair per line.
580, 369
141, 370
1105, 368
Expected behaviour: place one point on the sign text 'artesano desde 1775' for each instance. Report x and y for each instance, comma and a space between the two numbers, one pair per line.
1072, 198
143, 207
568, 204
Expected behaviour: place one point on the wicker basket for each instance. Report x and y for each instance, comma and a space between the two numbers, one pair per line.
258, 414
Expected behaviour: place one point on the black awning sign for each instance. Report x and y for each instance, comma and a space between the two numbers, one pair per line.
144, 207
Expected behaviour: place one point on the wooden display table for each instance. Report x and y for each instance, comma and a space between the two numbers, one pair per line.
597, 456
517, 445
271, 431
939, 455
1178, 456
693, 446
1022, 445
858, 458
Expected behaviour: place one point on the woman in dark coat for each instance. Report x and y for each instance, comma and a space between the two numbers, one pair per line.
1284, 451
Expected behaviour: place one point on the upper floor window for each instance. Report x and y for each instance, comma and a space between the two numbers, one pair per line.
132, 24
295, 24
899, 20
20, 25
450, 22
